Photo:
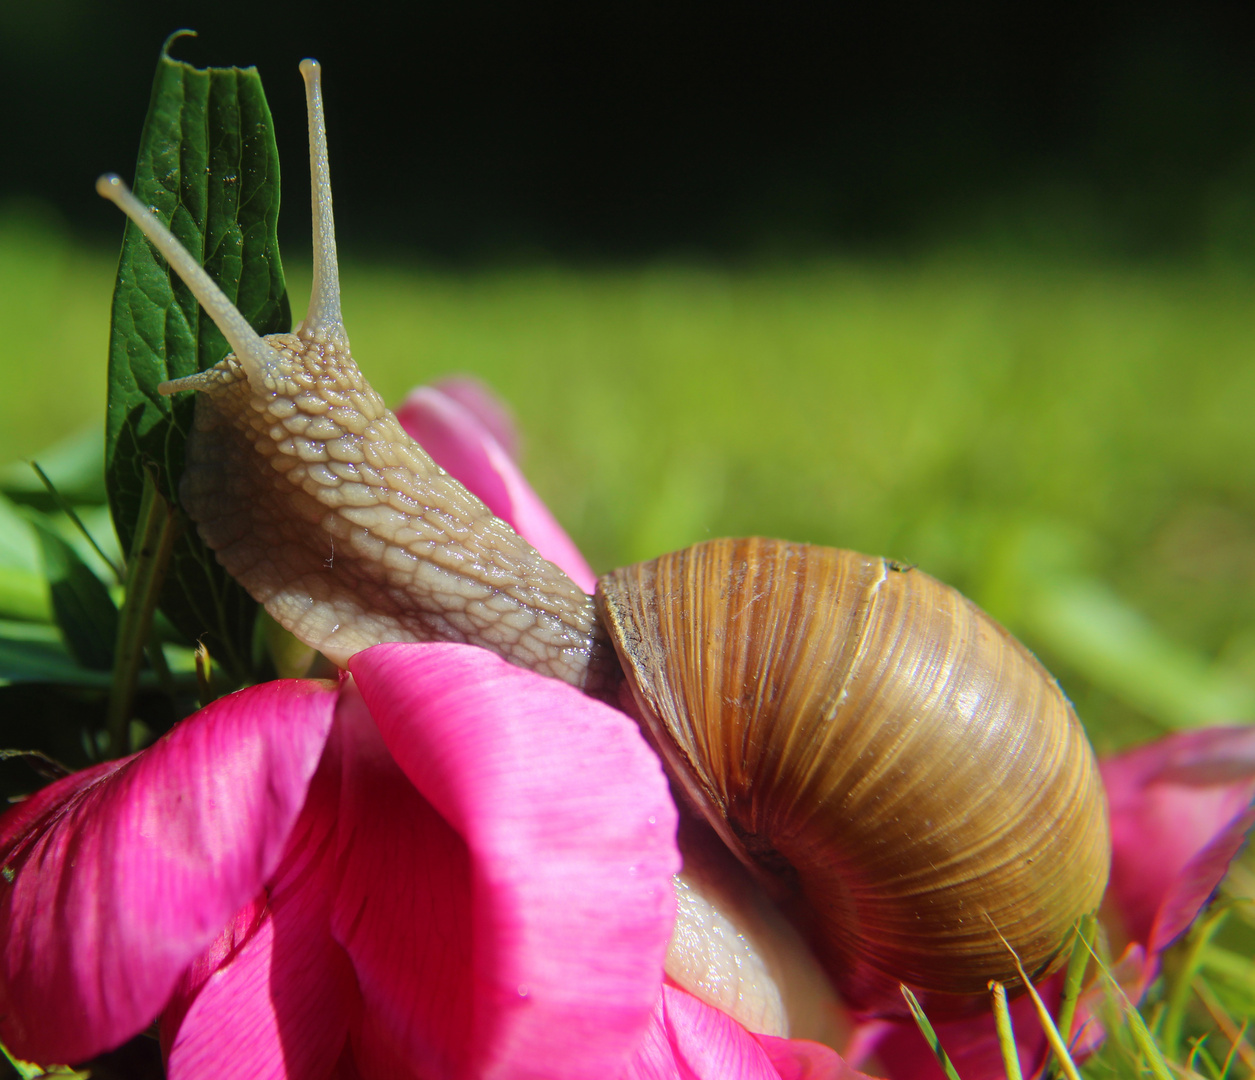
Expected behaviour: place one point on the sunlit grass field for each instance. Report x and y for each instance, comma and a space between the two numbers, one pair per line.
1070, 443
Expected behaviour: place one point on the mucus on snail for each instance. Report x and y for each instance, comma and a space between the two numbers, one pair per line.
899, 772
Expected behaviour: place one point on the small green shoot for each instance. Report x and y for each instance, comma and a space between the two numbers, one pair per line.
67, 508
1006, 1034
204, 674
44, 764
1179, 990
1073, 981
28, 1070
930, 1035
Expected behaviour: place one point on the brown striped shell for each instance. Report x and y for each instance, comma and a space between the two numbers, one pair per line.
902, 772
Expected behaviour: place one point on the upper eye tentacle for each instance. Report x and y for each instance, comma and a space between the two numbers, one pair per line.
261, 363
323, 322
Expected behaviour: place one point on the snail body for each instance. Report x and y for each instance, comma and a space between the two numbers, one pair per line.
903, 776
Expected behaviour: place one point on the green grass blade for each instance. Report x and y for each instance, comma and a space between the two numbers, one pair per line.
28, 1070
930, 1035
1048, 1027
64, 505
1146, 1043
1230, 1030
1179, 987
1043, 1014
1073, 981
1088, 624
1199, 1053
1234, 1047
1234, 969
1006, 1034
1141, 1035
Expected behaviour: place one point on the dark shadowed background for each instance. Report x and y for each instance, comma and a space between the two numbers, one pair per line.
491, 129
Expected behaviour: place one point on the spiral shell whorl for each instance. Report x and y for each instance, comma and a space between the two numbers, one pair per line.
902, 770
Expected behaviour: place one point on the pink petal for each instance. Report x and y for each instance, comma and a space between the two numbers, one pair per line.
243, 925
402, 912
1196, 883
486, 407
570, 832
282, 1022
1169, 802
117, 879
277, 982
464, 447
689, 1040
866, 1037
797, 1059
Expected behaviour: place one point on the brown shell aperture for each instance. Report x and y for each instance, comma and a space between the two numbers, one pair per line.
902, 772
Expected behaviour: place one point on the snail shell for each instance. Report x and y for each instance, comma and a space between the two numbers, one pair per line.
900, 770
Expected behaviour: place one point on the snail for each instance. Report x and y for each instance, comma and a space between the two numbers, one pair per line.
903, 777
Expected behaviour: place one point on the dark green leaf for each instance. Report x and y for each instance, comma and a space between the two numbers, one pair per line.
35, 652
208, 167
146, 568
81, 605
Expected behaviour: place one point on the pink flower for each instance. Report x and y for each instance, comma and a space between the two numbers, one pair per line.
1180, 811
474, 878
114, 879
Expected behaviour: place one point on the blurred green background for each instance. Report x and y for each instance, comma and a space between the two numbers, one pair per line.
973, 290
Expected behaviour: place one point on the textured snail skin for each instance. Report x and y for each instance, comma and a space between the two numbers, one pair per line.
316, 500
901, 772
